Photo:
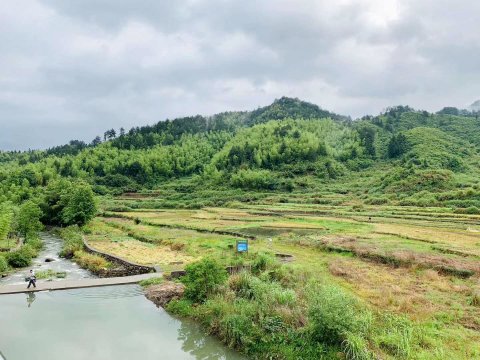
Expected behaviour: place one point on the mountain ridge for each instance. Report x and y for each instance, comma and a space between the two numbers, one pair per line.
287, 146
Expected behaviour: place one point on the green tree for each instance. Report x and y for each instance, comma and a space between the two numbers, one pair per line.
449, 110
28, 220
6, 219
53, 204
80, 205
367, 138
397, 145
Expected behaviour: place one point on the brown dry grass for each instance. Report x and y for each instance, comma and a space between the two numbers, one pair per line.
185, 218
292, 225
142, 253
456, 238
419, 294
401, 256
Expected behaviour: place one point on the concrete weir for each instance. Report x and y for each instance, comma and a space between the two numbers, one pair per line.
76, 284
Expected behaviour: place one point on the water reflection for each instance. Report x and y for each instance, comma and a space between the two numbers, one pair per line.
30, 298
117, 323
195, 343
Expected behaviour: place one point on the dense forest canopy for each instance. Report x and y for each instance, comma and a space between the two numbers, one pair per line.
289, 145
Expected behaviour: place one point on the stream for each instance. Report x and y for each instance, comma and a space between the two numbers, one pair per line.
114, 322
51, 249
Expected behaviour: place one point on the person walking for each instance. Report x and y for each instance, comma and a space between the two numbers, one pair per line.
32, 279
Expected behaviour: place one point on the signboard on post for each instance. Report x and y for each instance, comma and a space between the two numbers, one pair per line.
242, 246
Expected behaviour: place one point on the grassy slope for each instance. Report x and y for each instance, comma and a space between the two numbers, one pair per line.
392, 262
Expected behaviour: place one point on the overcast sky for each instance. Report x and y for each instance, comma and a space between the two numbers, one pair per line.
72, 69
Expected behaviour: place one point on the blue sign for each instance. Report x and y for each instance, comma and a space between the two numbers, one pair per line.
242, 246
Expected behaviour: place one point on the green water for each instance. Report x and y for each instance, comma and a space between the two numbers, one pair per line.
115, 322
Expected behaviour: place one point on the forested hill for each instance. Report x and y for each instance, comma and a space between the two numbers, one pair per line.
401, 156
166, 132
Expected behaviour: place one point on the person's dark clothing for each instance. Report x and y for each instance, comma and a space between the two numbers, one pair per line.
32, 282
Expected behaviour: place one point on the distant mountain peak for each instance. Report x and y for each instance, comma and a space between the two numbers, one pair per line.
475, 106
287, 107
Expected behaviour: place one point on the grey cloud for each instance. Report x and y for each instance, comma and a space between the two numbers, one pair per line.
72, 69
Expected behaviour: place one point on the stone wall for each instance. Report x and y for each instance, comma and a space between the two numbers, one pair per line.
128, 267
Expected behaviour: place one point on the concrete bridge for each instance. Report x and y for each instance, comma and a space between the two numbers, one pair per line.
76, 284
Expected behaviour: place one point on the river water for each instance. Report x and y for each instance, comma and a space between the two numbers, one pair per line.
114, 322
51, 249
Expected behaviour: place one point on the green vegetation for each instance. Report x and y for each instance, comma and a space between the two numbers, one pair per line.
379, 219
23, 256
50, 274
202, 279
73, 248
268, 314
92, 262
289, 146
72, 241
29, 219
373, 304
68, 203
3, 264
151, 281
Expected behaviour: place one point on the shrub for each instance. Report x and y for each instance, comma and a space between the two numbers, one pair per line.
72, 241
254, 179
92, 262
35, 243
19, 258
334, 315
358, 207
377, 201
262, 262
202, 279
473, 210
29, 250
180, 307
3, 264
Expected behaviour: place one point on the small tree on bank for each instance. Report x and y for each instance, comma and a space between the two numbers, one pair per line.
202, 279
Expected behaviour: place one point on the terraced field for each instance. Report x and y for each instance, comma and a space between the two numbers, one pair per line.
423, 264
